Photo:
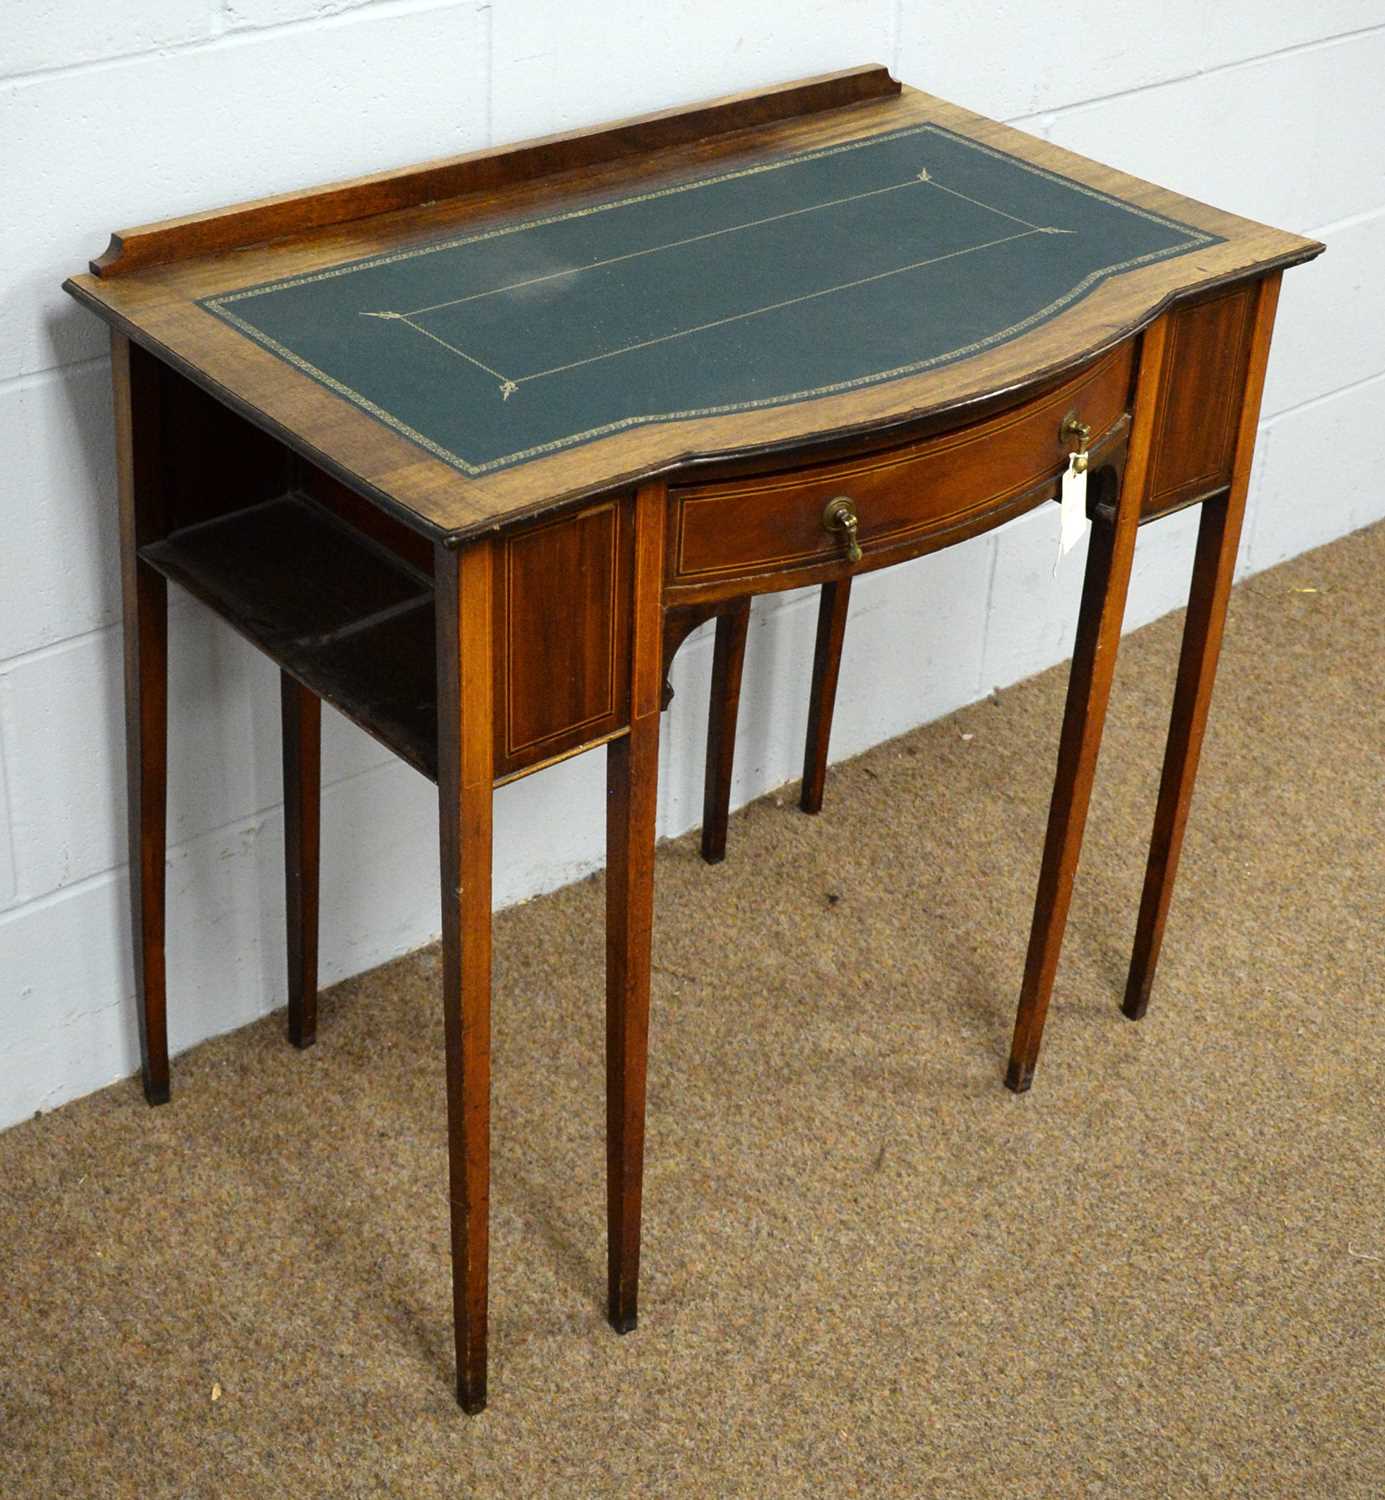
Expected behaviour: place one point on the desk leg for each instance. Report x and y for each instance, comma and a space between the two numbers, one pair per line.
145, 598
1219, 532
728, 659
146, 766
302, 737
632, 785
827, 662
465, 790
1112, 550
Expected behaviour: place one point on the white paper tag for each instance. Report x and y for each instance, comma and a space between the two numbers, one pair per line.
1073, 509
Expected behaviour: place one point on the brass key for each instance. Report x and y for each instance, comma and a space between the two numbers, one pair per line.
1075, 431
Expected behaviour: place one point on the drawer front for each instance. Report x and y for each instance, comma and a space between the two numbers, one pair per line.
767, 525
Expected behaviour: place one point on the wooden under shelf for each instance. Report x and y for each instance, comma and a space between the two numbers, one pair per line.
341, 613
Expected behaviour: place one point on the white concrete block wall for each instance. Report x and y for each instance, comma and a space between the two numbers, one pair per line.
114, 114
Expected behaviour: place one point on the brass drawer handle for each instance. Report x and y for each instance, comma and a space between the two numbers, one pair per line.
840, 516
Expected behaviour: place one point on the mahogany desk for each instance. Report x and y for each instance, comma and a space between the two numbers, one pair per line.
468, 448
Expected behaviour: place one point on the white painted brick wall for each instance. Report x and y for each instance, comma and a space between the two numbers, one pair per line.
59, 573
1297, 137
37, 35
561, 67
113, 114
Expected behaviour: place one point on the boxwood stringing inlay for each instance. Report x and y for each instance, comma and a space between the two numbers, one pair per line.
782, 280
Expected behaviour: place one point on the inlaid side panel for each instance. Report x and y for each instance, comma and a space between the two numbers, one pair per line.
562, 627
1196, 423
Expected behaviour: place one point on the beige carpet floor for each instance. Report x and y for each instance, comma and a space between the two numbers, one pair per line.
869, 1270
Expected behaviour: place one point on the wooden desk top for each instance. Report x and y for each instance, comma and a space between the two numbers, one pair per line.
501, 334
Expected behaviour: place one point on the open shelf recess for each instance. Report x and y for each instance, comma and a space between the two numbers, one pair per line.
345, 616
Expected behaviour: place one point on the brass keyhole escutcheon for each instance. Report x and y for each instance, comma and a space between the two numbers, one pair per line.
840, 518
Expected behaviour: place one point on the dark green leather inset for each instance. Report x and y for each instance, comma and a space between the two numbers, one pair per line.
792, 278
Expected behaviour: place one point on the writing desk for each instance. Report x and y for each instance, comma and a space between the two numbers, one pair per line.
469, 448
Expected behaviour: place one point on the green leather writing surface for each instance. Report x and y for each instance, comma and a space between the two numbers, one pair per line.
775, 282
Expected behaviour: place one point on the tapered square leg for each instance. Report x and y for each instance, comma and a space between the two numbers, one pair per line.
632, 780
465, 791
145, 609
1115, 520
146, 762
822, 701
632, 785
1098, 632
1192, 694
302, 745
1214, 566
728, 659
